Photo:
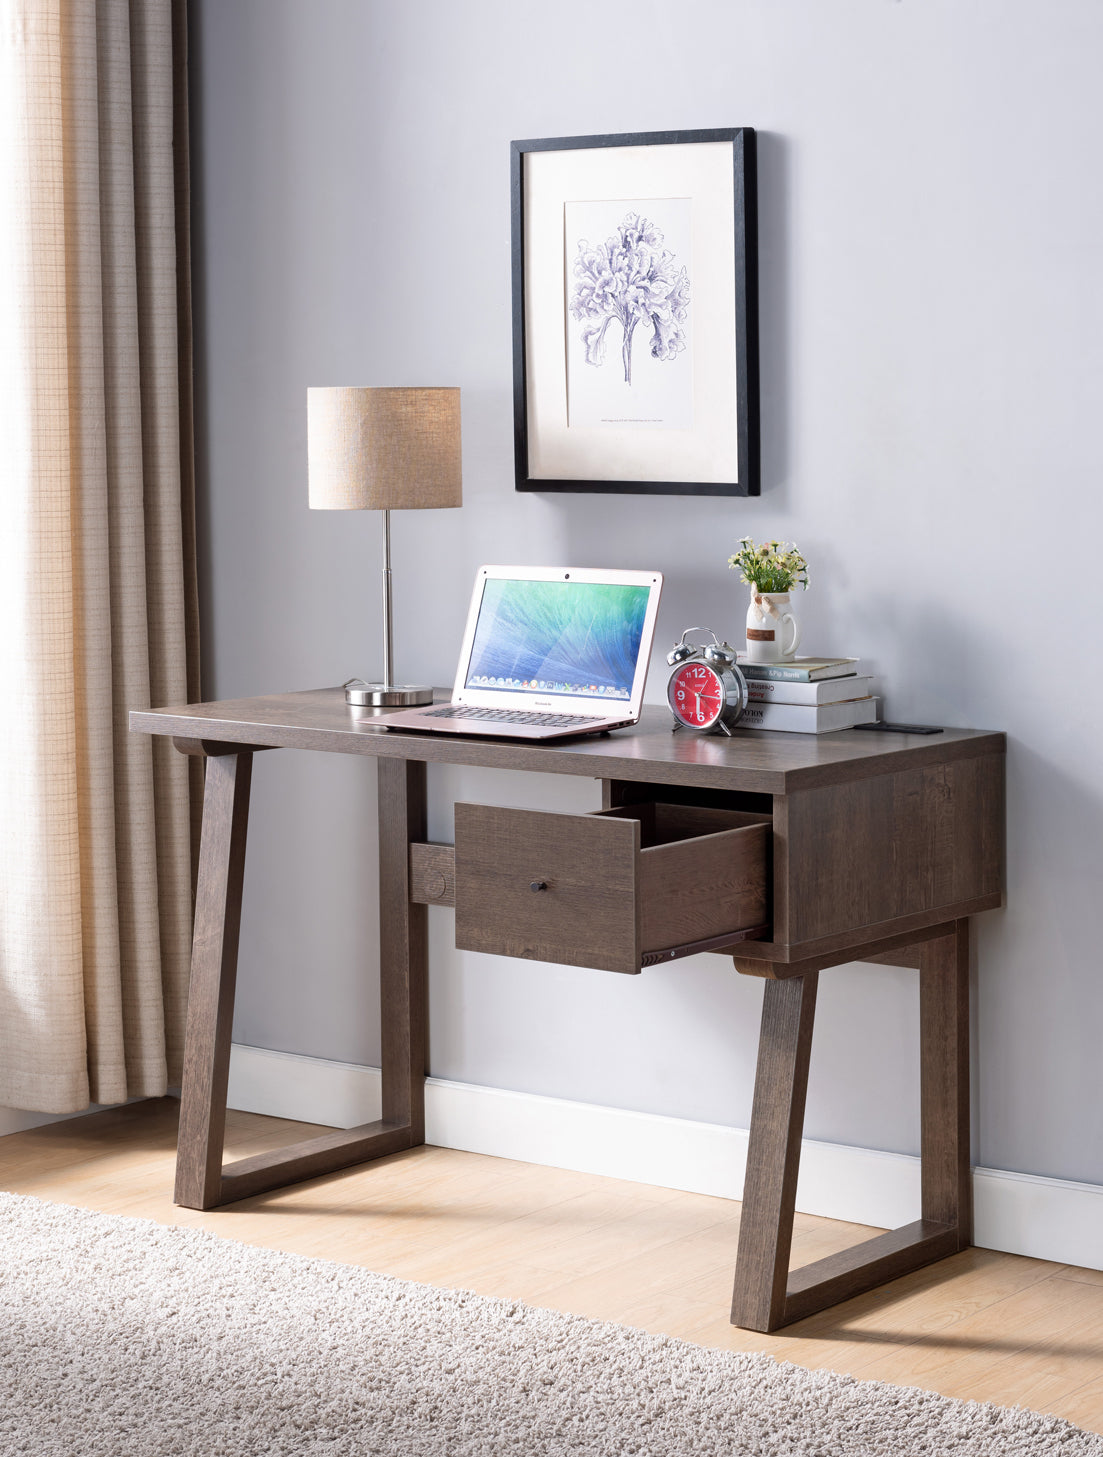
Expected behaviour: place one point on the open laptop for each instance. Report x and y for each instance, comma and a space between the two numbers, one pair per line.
548, 651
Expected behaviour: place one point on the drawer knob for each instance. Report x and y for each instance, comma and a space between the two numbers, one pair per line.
539, 885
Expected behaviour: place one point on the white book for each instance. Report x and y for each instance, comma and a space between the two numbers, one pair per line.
830, 690
816, 718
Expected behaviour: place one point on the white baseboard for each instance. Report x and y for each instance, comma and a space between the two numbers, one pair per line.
1050, 1219
15, 1120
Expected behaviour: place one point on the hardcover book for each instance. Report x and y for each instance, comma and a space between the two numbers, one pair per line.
798, 670
829, 690
798, 718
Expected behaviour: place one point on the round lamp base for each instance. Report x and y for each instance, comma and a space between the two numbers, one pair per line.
386, 695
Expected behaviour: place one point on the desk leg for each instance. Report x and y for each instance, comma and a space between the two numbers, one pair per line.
403, 946
202, 1182
213, 977
773, 1152
947, 1179
767, 1294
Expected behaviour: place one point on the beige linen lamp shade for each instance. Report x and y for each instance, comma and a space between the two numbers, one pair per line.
383, 450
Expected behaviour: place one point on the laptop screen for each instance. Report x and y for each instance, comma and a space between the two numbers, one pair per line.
575, 639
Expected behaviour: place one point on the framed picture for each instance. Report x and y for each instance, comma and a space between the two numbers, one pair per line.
635, 313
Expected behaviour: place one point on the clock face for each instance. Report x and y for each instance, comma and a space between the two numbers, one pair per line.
696, 695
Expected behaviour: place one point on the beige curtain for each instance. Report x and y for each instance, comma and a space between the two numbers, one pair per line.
96, 580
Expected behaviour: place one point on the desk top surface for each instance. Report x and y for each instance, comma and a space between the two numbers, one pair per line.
752, 760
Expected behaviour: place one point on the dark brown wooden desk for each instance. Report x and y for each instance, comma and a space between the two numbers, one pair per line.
795, 853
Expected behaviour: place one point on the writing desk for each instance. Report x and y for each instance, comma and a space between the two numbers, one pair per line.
793, 852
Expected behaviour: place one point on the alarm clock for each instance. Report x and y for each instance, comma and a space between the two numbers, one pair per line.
707, 693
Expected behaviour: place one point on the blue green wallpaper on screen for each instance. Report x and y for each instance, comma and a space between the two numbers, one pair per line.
558, 637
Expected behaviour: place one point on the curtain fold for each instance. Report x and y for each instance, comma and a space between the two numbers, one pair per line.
95, 859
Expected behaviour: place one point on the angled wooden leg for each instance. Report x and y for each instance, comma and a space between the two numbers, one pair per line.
766, 1294
202, 1182
213, 975
403, 946
773, 1152
944, 1081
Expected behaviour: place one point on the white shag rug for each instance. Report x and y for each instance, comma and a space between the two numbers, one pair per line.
121, 1337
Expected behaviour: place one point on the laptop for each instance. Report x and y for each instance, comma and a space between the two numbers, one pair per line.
547, 652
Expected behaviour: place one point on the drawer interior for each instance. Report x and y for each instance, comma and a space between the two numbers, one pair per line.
666, 824
703, 873
639, 792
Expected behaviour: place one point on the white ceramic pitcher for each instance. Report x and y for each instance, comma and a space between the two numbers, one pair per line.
772, 632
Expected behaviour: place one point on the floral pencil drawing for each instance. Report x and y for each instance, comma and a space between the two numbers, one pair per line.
630, 277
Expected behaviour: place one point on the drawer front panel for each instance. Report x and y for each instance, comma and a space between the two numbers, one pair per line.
587, 913
608, 889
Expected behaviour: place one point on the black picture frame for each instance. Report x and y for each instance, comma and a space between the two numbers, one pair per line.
746, 428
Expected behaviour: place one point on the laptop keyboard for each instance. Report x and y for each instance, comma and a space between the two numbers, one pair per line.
511, 715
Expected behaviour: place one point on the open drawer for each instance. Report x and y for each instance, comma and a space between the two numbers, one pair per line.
617, 890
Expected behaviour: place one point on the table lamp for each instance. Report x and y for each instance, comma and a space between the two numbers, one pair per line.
384, 450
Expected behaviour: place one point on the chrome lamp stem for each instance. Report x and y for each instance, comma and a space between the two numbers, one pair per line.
388, 636
387, 694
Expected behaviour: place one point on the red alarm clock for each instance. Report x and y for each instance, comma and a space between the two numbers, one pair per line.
707, 693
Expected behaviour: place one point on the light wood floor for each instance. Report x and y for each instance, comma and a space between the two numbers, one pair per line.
981, 1325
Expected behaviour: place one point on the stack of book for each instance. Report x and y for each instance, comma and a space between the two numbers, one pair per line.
807, 695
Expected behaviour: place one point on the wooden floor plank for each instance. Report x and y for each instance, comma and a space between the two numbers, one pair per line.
1033, 1348
860, 1336
979, 1325
1083, 1406
1077, 1272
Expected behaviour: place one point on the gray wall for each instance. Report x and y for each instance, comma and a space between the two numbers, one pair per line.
931, 230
